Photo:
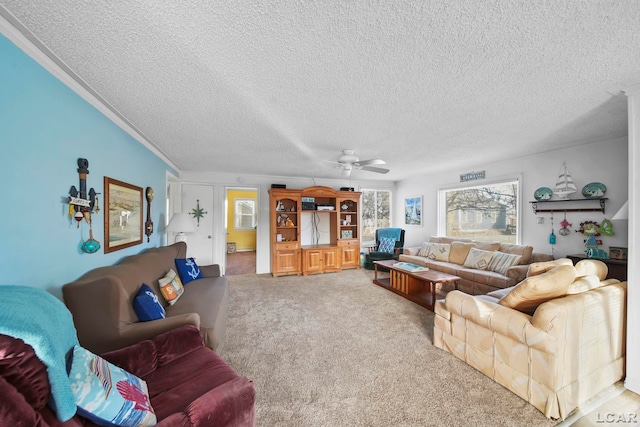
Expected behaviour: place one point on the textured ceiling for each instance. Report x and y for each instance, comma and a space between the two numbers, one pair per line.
271, 87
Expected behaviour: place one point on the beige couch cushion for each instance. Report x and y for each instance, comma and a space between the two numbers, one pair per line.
587, 267
478, 259
440, 251
424, 250
587, 283
527, 295
524, 252
544, 266
501, 262
459, 252
487, 246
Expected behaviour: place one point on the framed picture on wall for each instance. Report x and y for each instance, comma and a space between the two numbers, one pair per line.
123, 215
413, 210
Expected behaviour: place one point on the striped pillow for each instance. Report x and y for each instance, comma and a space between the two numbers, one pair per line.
425, 249
501, 262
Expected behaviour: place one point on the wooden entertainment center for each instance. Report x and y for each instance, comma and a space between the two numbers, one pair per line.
318, 236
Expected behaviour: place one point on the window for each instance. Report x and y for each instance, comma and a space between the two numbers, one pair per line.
245, 214
487, 212
376, 212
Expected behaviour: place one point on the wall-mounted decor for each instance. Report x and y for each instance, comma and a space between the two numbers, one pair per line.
618, 253
148, 225
197, 212
82, 204
123, 217
472, 176
413, 210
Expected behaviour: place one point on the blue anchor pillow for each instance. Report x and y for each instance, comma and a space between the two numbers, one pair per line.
147, 306
188, 270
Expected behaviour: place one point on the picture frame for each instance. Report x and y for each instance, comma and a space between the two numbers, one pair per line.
413, 210
618, 253
123, 215
346, 234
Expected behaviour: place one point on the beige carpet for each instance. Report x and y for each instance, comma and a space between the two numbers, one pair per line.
336, 350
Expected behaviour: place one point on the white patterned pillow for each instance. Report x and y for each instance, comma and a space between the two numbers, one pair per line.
387, 245
439, 252
501, 262
425, 249
478, 259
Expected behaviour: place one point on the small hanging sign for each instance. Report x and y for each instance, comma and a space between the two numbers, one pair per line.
471, 176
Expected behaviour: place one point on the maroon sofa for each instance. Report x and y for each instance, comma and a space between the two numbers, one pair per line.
189, 385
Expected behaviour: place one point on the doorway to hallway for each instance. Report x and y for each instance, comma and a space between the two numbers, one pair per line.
241, 229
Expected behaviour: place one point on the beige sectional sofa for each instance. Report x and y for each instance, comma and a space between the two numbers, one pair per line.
556, 339
476, 278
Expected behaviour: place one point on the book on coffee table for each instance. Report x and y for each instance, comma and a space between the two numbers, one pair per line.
410, 267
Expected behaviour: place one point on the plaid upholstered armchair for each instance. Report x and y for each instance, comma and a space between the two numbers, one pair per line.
389, 243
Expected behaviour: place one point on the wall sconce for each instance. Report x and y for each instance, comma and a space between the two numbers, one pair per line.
181, 223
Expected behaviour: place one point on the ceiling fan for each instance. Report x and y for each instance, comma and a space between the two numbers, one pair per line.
348, 161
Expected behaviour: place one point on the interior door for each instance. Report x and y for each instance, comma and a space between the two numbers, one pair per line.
197, 200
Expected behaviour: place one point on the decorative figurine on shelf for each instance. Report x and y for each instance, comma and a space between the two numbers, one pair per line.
279, 206
283, 221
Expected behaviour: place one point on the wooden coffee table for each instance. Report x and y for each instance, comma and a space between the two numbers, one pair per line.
419, 287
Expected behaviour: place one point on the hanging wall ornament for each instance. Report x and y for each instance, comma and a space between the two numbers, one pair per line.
92, 245
82, 204
606, 228
552, 236
564, 231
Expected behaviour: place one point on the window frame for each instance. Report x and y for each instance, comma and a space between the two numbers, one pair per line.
441, 216
236, 214
371, 241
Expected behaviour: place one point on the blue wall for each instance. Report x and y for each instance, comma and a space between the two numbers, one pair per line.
44, 128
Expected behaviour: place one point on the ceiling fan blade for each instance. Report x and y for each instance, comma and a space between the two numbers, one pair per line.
373, 169
371, 162
331, 161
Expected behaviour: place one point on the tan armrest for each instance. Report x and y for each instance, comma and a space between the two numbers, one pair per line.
212, 270
411, 251
518, 272
136, 332
502, 320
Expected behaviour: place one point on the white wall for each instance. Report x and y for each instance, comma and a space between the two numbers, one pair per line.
604, 162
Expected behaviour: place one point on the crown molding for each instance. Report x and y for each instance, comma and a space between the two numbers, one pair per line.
19, 35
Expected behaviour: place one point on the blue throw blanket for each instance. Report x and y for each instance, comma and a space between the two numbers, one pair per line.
44, 322
389, 233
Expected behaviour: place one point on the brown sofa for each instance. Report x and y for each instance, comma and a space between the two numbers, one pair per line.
101, 301
476, 281
556, 339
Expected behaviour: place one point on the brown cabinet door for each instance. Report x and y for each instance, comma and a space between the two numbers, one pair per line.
287, 262
312, 261
331, 259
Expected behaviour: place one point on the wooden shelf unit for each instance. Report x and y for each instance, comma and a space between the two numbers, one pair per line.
289, 255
